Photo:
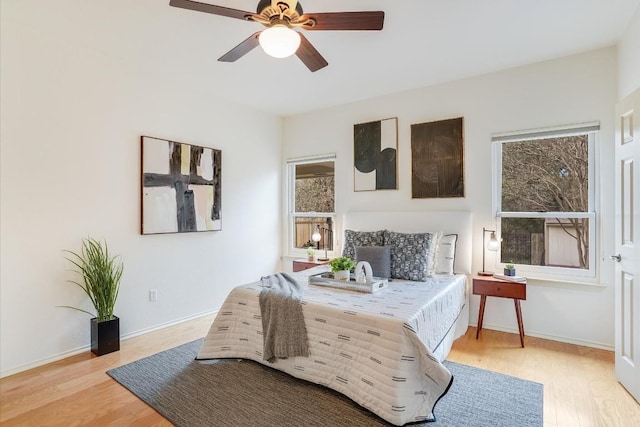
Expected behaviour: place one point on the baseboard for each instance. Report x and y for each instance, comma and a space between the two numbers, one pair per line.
567, 340
85, 348
167, 324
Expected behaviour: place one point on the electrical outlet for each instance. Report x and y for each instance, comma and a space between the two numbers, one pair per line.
153, 295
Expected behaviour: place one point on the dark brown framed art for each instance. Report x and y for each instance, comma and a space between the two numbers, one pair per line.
437, 159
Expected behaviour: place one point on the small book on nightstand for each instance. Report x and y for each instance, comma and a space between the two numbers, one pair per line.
517, 279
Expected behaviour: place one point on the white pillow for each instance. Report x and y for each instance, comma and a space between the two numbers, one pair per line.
446, 254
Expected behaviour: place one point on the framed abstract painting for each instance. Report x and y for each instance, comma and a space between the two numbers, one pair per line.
375, 146
181, 189
437, 159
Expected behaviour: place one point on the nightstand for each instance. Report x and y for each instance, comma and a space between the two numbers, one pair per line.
488, 286
303, 264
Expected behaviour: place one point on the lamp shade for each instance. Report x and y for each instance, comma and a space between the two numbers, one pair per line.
279, 41
493, 244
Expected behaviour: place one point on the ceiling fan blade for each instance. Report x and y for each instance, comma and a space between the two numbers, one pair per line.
310, 56
210, 8
373, 20
242, 49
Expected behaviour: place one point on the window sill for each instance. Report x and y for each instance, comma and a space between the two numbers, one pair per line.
566, 284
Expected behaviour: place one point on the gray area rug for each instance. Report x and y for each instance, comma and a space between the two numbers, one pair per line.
230, 392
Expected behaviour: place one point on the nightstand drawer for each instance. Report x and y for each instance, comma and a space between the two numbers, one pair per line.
303, 264
494, 288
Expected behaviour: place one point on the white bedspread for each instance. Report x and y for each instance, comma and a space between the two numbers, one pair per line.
381, 350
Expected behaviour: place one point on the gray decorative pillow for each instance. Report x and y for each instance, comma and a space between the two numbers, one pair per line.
446, 255
412, 255
360, 238
378, 256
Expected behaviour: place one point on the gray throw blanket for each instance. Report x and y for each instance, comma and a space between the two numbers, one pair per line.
283, 328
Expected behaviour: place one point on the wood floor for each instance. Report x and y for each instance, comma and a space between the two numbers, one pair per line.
580, 388
579, 384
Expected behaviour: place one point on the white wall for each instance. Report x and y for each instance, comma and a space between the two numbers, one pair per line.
570, 90
72, 117
629, 58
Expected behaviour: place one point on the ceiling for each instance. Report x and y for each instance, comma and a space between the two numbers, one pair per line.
423, 42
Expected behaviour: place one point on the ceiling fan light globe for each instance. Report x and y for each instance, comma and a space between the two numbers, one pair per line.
279, 41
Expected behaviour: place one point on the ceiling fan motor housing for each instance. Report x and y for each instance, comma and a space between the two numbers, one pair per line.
267, 3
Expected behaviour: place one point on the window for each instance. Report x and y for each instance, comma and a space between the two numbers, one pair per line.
311, 202
546, 200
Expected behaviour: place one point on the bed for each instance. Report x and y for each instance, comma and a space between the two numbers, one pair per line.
382, 350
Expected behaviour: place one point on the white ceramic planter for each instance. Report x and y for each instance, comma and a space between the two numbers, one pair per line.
342, 275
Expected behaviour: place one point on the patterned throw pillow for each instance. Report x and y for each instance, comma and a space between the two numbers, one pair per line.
446, 255
412, 254
379, 257
360, 238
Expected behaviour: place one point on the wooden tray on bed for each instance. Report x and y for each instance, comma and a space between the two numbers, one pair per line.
327, 279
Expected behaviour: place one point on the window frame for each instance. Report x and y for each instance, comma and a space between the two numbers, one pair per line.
592, 214
292, 214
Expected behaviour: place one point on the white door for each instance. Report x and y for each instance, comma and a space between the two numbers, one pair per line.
627, 243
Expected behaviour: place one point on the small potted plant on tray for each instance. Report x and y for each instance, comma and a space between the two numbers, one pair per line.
341, 267
101, 275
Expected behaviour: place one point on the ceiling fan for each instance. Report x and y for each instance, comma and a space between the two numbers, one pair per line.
280, 17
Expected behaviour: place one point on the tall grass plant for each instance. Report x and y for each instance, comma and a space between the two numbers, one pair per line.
101, 274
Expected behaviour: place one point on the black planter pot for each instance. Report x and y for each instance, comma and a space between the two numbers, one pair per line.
105, 336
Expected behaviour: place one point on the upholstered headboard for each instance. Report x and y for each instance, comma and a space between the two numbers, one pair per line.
458, 222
